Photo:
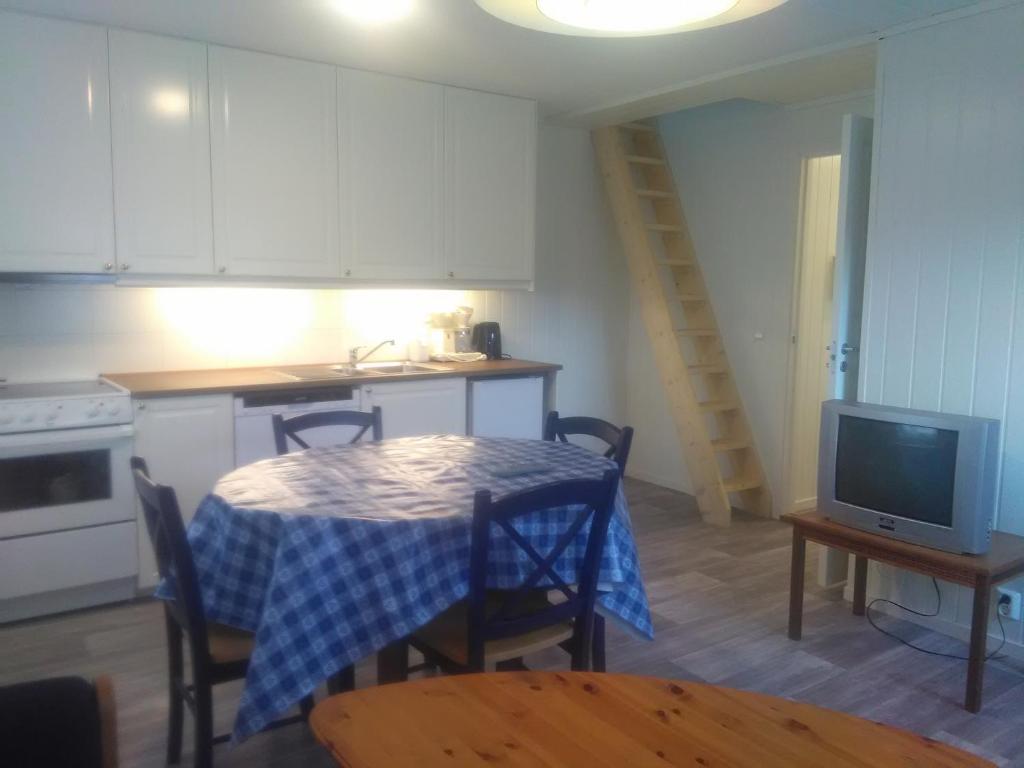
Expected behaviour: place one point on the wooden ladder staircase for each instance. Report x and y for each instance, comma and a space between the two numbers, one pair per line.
713, 429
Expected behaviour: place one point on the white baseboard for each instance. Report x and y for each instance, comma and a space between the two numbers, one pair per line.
664, 482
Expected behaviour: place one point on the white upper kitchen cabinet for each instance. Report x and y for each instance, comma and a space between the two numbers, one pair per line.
413, 408
188, 443
161, 140
275, 165
391, 142
490, 185
56, 210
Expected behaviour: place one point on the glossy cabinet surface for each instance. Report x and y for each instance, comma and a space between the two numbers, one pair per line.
391, 142
490, 179
408, 409
161, 146
275, 165
189, 444
56, 212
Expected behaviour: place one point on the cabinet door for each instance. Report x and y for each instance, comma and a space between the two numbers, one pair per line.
408, 409
275, 165
56, 212
189, 444
391, 140
161, 138
490, 185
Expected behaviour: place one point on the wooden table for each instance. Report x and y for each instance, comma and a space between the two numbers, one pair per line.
592, 719
979, 572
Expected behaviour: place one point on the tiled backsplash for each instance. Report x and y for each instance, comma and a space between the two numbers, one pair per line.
57, 332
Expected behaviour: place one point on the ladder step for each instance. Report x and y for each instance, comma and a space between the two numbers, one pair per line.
644, 160
737, 484
708, 368
694, 332
638, 128
719, 406
723, 444
654, 194
692, 297
664, 228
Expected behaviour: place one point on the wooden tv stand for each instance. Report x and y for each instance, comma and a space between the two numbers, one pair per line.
980, 572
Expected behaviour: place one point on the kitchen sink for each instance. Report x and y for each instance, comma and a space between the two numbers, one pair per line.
322, 372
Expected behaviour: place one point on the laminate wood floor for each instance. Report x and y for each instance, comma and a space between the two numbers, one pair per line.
719, 599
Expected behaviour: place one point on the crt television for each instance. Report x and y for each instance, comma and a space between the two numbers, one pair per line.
928, 478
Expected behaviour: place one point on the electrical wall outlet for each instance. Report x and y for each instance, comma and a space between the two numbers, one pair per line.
1011, 611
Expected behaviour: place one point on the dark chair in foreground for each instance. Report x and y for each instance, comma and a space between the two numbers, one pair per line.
289, 429
219, 653
501, 626
619, 440
65, 721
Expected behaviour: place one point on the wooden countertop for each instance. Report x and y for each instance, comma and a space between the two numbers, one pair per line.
229, 380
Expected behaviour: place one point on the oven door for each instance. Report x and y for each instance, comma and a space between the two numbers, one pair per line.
65, 479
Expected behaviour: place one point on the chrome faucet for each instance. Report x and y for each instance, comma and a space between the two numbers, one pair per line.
354, 358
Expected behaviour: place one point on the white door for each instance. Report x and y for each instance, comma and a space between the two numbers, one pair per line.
490, 185
275, 165
391, 143
56, 211
412, 408
189, 444
851, 251
161, 141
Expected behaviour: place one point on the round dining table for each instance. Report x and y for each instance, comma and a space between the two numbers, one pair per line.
330, 555
593, 720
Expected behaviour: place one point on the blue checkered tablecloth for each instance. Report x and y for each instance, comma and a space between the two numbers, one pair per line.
329, 555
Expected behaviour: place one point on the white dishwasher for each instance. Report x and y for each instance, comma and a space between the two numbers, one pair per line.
254, 411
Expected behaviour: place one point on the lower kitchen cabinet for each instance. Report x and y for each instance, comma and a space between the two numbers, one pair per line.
189, 443
410, 408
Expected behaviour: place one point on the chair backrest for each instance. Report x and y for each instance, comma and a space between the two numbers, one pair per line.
173, 552
503, 616
618, 439
289, 429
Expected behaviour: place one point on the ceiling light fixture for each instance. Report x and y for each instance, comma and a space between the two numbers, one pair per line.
623, 18
632, 15
374, 11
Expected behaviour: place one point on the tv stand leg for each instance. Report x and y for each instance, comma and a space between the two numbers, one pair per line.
979, 636
796, 585
860, 584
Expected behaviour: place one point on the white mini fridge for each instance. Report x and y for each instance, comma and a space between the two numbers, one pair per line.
507, 407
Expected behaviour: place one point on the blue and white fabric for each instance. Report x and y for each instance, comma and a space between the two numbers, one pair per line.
329, 555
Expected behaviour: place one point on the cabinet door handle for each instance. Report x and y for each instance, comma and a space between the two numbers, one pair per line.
222, 270
108, 267
451, 274
142, 406
125, 267
348, 273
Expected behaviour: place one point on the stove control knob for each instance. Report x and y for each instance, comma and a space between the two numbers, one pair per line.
93, 412
114, 410
52, 415
5, 419
28, 417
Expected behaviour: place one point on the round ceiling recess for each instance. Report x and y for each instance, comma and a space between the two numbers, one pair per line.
623, 18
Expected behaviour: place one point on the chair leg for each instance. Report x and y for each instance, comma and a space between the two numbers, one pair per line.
176, 706
306, 706
511, 665
598, 661
343, 681
204, 723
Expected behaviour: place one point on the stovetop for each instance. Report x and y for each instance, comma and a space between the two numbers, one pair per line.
57, 405
59, 390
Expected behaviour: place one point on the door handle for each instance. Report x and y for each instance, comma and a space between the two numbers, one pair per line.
847, 349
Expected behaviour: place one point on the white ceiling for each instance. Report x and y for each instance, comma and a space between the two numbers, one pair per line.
453, 41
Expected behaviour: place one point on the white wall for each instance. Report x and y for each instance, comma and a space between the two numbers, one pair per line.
737, 166
576, 316
944, 304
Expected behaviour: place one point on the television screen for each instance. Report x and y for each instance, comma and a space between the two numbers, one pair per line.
897, 469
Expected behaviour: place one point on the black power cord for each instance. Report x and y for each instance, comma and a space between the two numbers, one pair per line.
938, 608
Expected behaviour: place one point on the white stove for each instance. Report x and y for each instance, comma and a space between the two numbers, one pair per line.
67, 511
62, 405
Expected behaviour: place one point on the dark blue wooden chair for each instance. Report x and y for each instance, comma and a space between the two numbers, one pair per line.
619, 440
502, 626
289, 429
219, 653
